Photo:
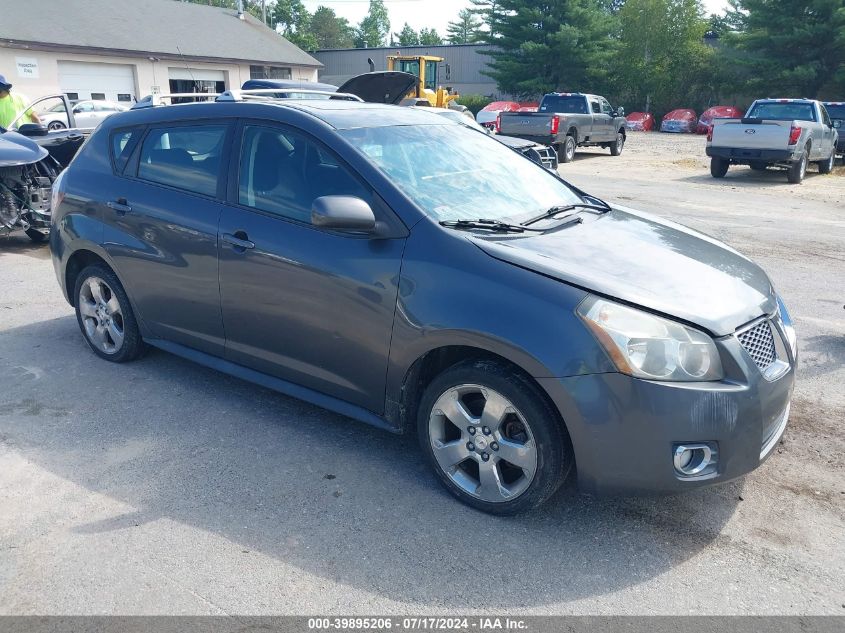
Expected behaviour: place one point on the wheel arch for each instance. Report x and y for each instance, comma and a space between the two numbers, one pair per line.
433, 362
87, 255
573, 132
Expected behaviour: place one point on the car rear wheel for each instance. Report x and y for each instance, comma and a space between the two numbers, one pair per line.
105, 315
617, 145
826, 166
796, 172
719, 167
492, 439
566, 152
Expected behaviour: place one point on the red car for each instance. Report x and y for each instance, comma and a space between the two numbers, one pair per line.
488, 114
716, 112
681, 121
640, 121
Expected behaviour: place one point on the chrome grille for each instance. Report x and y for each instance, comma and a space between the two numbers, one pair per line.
760, 344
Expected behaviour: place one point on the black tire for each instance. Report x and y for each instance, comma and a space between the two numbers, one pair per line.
796, 172
132, 346
550, 439
617, 145
719, 167
757, 166
826, 166
36, 236
56, 125
566, 151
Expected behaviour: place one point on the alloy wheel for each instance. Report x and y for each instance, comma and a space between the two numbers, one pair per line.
102, 317
482, 443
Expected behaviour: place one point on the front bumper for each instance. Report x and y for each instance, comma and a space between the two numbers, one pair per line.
624, 429
739, 154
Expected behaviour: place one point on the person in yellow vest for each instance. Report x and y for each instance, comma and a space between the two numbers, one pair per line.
12, 105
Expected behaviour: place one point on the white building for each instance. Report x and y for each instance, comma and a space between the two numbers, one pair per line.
122, 50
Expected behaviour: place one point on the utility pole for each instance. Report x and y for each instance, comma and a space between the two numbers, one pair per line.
264, 11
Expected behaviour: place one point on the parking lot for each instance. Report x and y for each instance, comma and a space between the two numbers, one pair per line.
161, 487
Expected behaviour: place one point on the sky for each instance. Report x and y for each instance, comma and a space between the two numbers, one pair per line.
423, 13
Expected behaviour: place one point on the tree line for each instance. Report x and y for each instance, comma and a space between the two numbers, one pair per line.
651, 55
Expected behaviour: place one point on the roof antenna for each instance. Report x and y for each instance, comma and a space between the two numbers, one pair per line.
188, 68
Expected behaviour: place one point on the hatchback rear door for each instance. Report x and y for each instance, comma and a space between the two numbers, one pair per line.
308, 305
160, 217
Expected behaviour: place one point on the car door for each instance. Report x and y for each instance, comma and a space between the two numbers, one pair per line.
601, 122
828, 131
160, 216
608, 131
101, 111
311, 306
85, 116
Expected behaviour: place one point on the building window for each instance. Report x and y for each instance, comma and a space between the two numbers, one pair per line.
98, 96
72, 96
122, 96
269, 72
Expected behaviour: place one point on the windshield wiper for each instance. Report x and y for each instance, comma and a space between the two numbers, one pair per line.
490, 225
562, 208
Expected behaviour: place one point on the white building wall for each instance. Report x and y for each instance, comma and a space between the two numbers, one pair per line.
35, 73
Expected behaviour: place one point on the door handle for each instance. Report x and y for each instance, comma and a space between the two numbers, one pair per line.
119, 206
238, 241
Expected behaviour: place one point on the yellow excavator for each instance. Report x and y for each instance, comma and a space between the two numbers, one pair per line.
424, 68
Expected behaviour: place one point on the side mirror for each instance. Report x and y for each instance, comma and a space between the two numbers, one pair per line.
32, 129
619, 112
345, 213
837, 124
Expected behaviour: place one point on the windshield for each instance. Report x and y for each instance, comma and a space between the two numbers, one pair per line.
455, 173
836, 111
565, 104
783, 111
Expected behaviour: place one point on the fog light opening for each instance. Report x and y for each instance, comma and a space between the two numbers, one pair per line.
694, 460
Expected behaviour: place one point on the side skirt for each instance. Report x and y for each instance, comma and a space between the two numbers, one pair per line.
276, 384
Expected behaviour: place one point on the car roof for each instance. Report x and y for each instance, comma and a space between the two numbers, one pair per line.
337, 113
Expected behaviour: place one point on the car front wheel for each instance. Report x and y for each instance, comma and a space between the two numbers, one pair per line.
492, 438
826, 166
617, 145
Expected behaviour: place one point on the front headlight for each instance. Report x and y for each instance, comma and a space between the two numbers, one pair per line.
788, 327
648, 346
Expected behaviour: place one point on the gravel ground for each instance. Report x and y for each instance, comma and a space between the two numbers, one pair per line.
161, 487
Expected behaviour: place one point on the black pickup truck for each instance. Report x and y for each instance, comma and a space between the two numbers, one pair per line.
566, 120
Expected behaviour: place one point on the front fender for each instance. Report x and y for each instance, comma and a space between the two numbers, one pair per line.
475, 300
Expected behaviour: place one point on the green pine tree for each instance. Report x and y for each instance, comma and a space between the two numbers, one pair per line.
793, 48
466, 29
546, 45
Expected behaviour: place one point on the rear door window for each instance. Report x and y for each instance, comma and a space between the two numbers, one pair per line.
186, 157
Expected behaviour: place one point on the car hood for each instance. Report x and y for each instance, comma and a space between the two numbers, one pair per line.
647, 261
16, 149
385, 86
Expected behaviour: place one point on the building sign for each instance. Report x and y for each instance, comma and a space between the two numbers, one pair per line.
27, 67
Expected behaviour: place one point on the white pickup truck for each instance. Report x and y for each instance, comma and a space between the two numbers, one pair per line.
783, 133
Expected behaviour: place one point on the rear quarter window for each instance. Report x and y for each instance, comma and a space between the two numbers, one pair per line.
123, 142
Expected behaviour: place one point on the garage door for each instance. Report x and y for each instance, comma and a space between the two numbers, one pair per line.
86, 80
196, 80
